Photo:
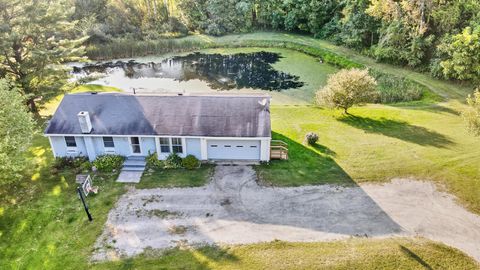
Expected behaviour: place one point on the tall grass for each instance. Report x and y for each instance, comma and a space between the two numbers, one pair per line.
394, 89
127, 48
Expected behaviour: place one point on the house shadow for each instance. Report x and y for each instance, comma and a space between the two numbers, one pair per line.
329, 203
399, 130
306, 165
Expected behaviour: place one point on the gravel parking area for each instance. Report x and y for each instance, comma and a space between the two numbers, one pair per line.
234, 209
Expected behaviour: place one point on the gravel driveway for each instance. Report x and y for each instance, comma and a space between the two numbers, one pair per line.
233, 209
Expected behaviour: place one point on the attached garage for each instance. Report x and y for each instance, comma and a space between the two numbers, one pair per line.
233, 149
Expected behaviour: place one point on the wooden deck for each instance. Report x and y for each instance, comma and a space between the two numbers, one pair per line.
278, 150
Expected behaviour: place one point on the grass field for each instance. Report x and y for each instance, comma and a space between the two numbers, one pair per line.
43, 226
377, 143
351, 254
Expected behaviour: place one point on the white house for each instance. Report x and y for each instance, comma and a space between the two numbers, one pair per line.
209, 127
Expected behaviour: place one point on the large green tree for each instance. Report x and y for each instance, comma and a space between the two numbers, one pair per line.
472, 113
35, 41
462, 52
16, 129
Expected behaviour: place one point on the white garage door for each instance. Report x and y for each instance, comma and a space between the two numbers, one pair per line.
233, 149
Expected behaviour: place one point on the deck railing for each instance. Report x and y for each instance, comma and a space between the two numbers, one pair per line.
278, 150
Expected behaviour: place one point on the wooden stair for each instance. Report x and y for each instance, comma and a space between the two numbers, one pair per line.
278, 150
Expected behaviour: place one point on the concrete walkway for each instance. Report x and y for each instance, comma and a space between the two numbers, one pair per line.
233, 209
132, 170
129, 176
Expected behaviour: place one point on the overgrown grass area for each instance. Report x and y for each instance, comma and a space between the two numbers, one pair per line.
374, 144
397, 253
165, 178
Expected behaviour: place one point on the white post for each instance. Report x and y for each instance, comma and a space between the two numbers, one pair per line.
157, 146
51, 146
203, 149
265, 149
92, 155
184, 147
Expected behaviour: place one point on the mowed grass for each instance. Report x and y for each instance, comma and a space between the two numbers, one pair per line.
394, 253
375, 144
167, 178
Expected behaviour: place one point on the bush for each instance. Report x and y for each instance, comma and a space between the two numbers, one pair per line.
311, 138
86, 166
153, 162
108, 163
173, 161
62, 163
190, 162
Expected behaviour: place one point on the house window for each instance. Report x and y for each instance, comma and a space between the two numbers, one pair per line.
164, 145
108, 142
177, 145
70, 141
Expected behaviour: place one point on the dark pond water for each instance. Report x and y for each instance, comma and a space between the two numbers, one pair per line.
223, 72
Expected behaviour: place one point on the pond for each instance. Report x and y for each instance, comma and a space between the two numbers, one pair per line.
289, 77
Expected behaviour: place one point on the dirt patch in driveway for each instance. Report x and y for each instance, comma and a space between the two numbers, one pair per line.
233, 209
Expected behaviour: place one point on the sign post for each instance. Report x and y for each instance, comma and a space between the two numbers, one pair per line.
85, 206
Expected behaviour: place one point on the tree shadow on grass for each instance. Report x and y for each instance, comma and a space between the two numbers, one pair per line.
324, 150
414, 256
398, 129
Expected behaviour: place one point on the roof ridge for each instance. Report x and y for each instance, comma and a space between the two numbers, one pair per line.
168, 94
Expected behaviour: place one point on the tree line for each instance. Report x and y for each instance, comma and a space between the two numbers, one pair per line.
437, 36
36, 37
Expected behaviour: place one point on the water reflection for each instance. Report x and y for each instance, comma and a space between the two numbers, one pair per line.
223, 72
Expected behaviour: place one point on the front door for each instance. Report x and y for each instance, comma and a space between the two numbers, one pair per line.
135, 146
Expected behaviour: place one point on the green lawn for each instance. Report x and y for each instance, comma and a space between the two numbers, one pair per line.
351, 254
377, 143
165, 178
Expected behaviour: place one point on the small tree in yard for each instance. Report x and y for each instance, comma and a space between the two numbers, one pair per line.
472, 114
16, 129
346, 88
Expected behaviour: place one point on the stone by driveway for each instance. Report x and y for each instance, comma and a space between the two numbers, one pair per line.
233, 209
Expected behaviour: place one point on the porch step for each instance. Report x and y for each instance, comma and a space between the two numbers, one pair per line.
134, 162
135, 158
133, 168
